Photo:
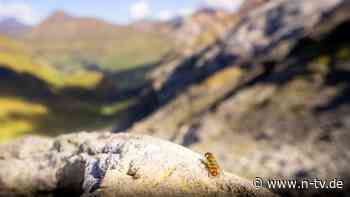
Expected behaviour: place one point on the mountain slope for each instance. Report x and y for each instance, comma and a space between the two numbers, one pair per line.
202, 28
77, 41
12, 27
37, 97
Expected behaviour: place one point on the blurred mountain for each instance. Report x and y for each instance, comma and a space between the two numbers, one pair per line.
250, 5
163, 27
16, 60
61, 26
58, 17
12, 27
193, 34
35, 96
269, 96
69, 41
201, 28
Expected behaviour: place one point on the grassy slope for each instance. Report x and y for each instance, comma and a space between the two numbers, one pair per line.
87, 41
13, 56
136, 50
57, 58
22, 115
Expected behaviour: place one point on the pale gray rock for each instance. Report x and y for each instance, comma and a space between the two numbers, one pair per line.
105, 164
271, 31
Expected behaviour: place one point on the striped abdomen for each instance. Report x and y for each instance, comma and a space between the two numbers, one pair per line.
212, 165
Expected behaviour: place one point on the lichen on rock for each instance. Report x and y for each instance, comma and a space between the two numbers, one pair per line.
106, 164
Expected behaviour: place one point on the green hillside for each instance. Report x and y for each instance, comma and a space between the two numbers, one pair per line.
68, 41
47, 86
33, 96
13, 57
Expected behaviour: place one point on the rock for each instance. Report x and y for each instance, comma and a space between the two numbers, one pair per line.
250, 5
105, 164
267, 34
194, 33
271, 31
202, 28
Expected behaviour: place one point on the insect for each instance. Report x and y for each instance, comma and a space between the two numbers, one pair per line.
212, 165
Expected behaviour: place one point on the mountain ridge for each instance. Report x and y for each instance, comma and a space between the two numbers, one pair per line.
67, 40
11, 27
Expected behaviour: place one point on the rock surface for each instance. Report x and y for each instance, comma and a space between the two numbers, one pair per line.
105, 164
270, 98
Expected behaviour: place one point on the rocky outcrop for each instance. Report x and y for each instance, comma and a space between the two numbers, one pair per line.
193, 34
202, 28
249, 5
270, 98
105, 164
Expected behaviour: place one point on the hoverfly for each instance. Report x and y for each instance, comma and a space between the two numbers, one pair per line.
211, 165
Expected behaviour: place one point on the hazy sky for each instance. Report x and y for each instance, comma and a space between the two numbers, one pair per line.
117, 11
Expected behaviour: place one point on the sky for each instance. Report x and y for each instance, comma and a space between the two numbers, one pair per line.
116, 11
